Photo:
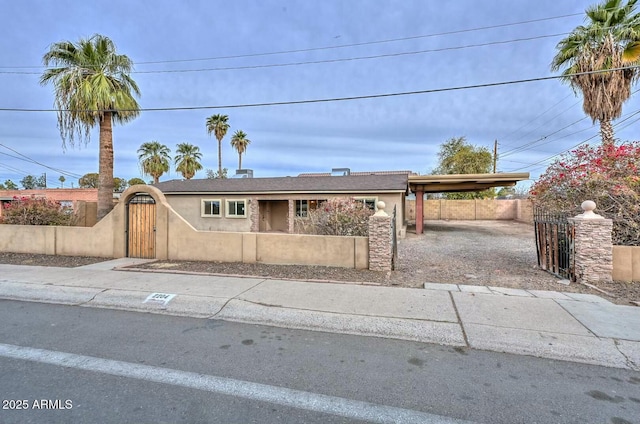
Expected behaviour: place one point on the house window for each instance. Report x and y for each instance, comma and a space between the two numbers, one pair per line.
236, 208
370, 202
210, 207
304, 206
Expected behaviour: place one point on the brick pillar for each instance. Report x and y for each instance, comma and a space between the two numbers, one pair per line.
593, 246
254, 215
380, 240
291, 216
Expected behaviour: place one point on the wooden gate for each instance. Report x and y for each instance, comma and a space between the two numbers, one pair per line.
555, 243
141, 227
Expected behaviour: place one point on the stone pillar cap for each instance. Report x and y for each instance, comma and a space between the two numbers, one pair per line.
588, 206
381, 205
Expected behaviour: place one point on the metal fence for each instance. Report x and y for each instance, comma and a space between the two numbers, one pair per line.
555, 243
394, 241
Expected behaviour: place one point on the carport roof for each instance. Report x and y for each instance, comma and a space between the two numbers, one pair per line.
463, 182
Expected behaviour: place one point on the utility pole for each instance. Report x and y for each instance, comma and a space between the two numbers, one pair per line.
495, 155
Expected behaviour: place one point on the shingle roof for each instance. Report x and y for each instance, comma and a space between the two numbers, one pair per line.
327, 174
341, 184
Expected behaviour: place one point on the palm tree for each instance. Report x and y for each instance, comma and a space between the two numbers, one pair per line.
187, 160
154, 159
92, 86
217, 124
239, 141
62, 179
610, 39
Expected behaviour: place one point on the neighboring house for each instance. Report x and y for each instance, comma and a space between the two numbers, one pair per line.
271, 204
65, 196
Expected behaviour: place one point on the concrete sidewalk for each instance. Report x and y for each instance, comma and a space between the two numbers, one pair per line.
565, 326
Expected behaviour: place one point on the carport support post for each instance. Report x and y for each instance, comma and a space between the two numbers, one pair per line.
419, 211
593, 246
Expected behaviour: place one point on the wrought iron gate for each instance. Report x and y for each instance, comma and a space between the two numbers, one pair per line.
394, 241
141, 226
555, 243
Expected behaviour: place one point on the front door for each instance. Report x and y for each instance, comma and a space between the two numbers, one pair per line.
141, 227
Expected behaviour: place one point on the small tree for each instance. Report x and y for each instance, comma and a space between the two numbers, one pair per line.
10, 185
90, 180
30, 182
215, 175
62, 179
608, 175
135, 181
337, 217
119, 184
456, 156
36, 211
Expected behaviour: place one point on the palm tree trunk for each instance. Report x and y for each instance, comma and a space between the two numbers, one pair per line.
606, 131
220, 157
105, 167
239, 160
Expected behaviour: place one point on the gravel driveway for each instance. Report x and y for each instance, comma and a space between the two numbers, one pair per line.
492, 253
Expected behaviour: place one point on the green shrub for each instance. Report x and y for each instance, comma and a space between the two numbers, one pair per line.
336, 217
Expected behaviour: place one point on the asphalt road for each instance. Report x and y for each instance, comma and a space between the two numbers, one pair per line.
98, 365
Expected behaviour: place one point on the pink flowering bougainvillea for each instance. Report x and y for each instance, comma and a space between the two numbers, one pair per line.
36, 211
608, 175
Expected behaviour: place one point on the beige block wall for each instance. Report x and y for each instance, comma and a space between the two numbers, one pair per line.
28, 239
291, 249
187, 243
626, 263
478, 209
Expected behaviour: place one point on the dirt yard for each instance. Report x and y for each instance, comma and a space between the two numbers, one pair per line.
491, 253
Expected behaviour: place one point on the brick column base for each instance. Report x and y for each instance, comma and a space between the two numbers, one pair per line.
380, 243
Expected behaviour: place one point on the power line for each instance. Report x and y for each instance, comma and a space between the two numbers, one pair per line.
339, 99
582, 142
29, 159
340, 46
526, 145
532, 120
317, 62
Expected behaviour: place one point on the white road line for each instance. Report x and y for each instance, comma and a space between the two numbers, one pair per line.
347, 408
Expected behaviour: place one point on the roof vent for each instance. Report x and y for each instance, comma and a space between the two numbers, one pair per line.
243, 173
340, 172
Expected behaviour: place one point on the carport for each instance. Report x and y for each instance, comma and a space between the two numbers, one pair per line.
421, 184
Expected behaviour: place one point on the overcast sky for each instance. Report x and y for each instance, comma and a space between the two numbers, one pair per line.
210, 56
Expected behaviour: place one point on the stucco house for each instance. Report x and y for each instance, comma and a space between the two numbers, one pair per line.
271, 204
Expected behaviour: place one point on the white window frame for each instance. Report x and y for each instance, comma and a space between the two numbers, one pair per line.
228, 208
202, 208
303, 210
364, 200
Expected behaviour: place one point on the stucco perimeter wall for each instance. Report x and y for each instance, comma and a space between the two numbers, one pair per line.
477, 209
292, 249
626, 263
28, 239
187, 243
54, 240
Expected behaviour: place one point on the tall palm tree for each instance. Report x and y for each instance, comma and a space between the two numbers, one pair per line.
154, 159
610, 39
217, 124
239, 141
92, 86
187, 160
